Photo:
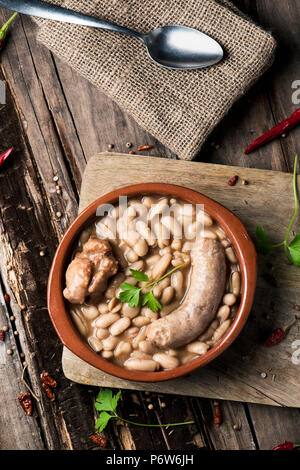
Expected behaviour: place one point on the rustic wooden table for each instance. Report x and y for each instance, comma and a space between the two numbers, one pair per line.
56, 120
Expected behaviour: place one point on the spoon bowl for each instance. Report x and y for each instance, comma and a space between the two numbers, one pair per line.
176, 47
180, 47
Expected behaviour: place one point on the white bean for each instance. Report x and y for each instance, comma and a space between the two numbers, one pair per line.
131, 256
140, 321
140, 355
147, 201
131, 238
161, 233
138, 266
152, 260
146, 365
223, 313
197, 347
121, 325
172, 225
160, 268
176, 244
95, 344
220, 233
123, 348
220, 331
131, 280
147, 347
236, 283
225, 243
131, 332
204, 219
177, 282
110, 343
209, 332
145, 232
167, 295
166, 361
130, 312
80, 322
187, 246
112, 303
187, 357
206, 233
90, 312
230, 255
141, 247
139, 337
158, 208
103, 308
107, 354
102, 333
146, 312
106, 320
229, 299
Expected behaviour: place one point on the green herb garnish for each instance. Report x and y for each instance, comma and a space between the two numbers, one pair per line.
132, 294
107, 404
292, 250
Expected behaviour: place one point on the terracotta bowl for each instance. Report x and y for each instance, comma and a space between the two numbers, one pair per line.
58, 307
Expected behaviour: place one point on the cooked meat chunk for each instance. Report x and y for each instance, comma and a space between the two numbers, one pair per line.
89, 270
78, 277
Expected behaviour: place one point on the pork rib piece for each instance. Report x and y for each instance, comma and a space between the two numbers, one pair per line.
89, 270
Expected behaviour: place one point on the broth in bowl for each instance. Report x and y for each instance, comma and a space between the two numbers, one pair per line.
153, 283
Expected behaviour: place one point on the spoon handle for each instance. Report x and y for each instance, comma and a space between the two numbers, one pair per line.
53, 12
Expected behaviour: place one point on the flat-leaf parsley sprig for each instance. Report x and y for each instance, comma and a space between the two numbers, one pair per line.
292, 250
107, 404
132, 294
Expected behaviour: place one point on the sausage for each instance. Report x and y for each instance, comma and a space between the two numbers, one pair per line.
199, 307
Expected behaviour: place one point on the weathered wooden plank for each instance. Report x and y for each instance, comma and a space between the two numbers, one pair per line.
18, 431
26, 229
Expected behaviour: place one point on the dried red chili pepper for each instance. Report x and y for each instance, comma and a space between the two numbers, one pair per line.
217, 414
276, 131
5, 155
49, 392
2, 335
100, 441
4, 29
25, 402
233, 180
47, 379
286, 446
145, 147
7, 299
277, 335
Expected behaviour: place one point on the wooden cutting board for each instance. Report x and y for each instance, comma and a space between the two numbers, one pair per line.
246, 371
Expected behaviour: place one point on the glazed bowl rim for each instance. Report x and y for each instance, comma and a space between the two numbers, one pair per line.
60, 316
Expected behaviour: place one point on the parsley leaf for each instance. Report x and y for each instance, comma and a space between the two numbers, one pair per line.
130, 294
265, 246
149, 299
139, 276
105, 400
107, 403
294, 250
262, 243
102, 421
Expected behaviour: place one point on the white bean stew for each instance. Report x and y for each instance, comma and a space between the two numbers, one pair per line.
153, 284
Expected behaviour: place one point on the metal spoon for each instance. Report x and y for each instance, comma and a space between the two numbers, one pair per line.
176, 47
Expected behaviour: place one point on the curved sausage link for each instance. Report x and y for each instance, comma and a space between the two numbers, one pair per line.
199, 307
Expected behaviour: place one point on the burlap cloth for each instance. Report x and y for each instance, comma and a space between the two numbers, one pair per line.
180, 108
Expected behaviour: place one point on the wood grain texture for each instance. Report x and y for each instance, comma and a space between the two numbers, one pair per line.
236, 374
